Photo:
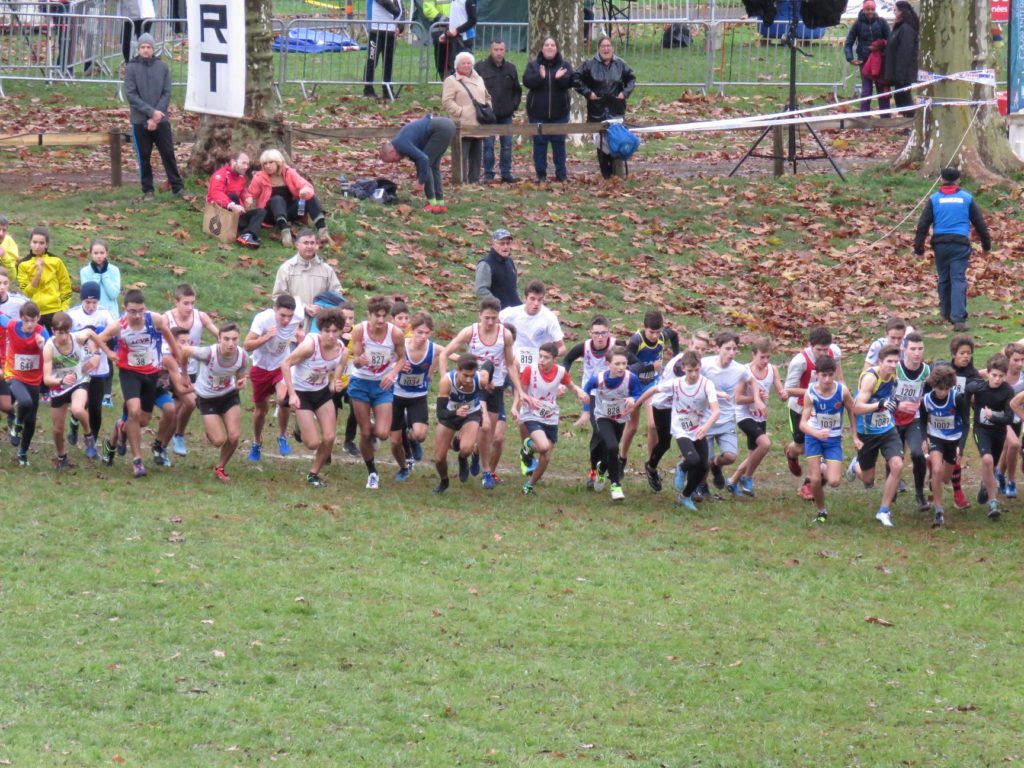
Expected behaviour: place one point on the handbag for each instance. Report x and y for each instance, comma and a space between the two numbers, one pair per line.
484, 113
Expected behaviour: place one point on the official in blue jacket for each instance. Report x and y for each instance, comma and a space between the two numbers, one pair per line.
950, 214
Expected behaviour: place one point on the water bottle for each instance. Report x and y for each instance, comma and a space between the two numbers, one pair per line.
302, 208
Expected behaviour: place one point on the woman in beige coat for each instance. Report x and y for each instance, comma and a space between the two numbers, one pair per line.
456, 100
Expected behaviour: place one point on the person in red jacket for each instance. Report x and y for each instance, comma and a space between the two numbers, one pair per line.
227, 189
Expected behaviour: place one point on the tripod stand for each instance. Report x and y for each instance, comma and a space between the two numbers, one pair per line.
791, 155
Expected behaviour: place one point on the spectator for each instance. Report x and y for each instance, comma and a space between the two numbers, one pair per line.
460, 90
44, 278
227, 189
424, 141
285, 196
588, 19
132, 12
548, 78
147, 81
10, 301
305, 274
461, 30
8, 249
605, 81
107, 276
502, 81
383, 35
950, 213
496, 274
868, 28
901, 55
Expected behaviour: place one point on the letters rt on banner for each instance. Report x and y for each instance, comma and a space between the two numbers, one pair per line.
216, 62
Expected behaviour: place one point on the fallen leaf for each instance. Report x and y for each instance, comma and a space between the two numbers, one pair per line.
878, 621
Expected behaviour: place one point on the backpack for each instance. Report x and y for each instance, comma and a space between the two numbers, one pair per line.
676, 36
379, 190
622, 142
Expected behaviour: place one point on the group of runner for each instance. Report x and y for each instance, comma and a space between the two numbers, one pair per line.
700, 397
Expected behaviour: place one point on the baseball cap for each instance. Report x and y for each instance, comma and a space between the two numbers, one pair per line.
501, 234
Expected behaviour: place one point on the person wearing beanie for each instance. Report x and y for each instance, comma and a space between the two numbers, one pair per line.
91, 314
147, 82
950, 213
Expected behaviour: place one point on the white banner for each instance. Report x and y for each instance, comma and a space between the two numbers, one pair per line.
216, 61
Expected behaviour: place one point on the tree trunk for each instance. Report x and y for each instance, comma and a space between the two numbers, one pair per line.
218, 138
561, 20
985, 154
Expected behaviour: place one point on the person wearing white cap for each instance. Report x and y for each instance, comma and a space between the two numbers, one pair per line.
496, 274
147, 82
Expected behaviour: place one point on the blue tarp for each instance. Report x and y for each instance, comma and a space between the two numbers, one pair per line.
303, 40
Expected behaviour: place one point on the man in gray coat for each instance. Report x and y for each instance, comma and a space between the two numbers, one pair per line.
148, 84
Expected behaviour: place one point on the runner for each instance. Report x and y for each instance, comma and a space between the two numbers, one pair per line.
694, 411
875, 405
799, 376
409, 409
896, 330
89, 315
727, 375
185, 315
990, 400
378, 352
221, 375
613, 394
270, 336
822, 423
23, 370
538, 411
961, 348
68, 360
945, 411
490, 342
594, 353
911, 374
648, 347
751, 421
140, 334
1006, 474
460, 411
312, 373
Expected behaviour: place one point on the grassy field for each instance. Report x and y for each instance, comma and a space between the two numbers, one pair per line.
177, 621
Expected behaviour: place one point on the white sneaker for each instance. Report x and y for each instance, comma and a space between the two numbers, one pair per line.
884, 519
373, 482
851, 471
617, 494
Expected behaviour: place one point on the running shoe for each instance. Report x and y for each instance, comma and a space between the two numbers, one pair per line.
474, 464
442, 486
73, 432
600, 481
686, 503
160, 457
591, 479
108, 401
679, 482
402, 475
982, 495
22, 459
794, 466
463, 469
617, 494
717, 477
178, 445
90, 447
417, 450
372, 481
15, 433
350, 448
805, 492
61, 462
1000, 483
734, 489
108, 453
315, 480
747, 485
527, 461
255, 452
653, 477
488, 481
821, 517
939, 519
884, 518
960, 500
922, 502
120, 438
527, 489
138, 470
1011, 489
283, 448
993, 510
221, 475
851, 471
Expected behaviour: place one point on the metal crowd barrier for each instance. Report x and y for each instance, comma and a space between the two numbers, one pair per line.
515, 35
310, 70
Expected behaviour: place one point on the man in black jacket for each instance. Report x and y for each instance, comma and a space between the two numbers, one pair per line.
147, 82
502, 81
496, 275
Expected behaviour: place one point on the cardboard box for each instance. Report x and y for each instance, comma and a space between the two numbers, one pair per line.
220, 222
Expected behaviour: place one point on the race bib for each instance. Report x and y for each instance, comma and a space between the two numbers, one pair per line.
909, 390
140, 359
316, 379
689, 421
613, 409
410, 380
545, 410
527, 356
943, 423
829, 420
378, 359
220, 382
26, 362
880, 419
961, 383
